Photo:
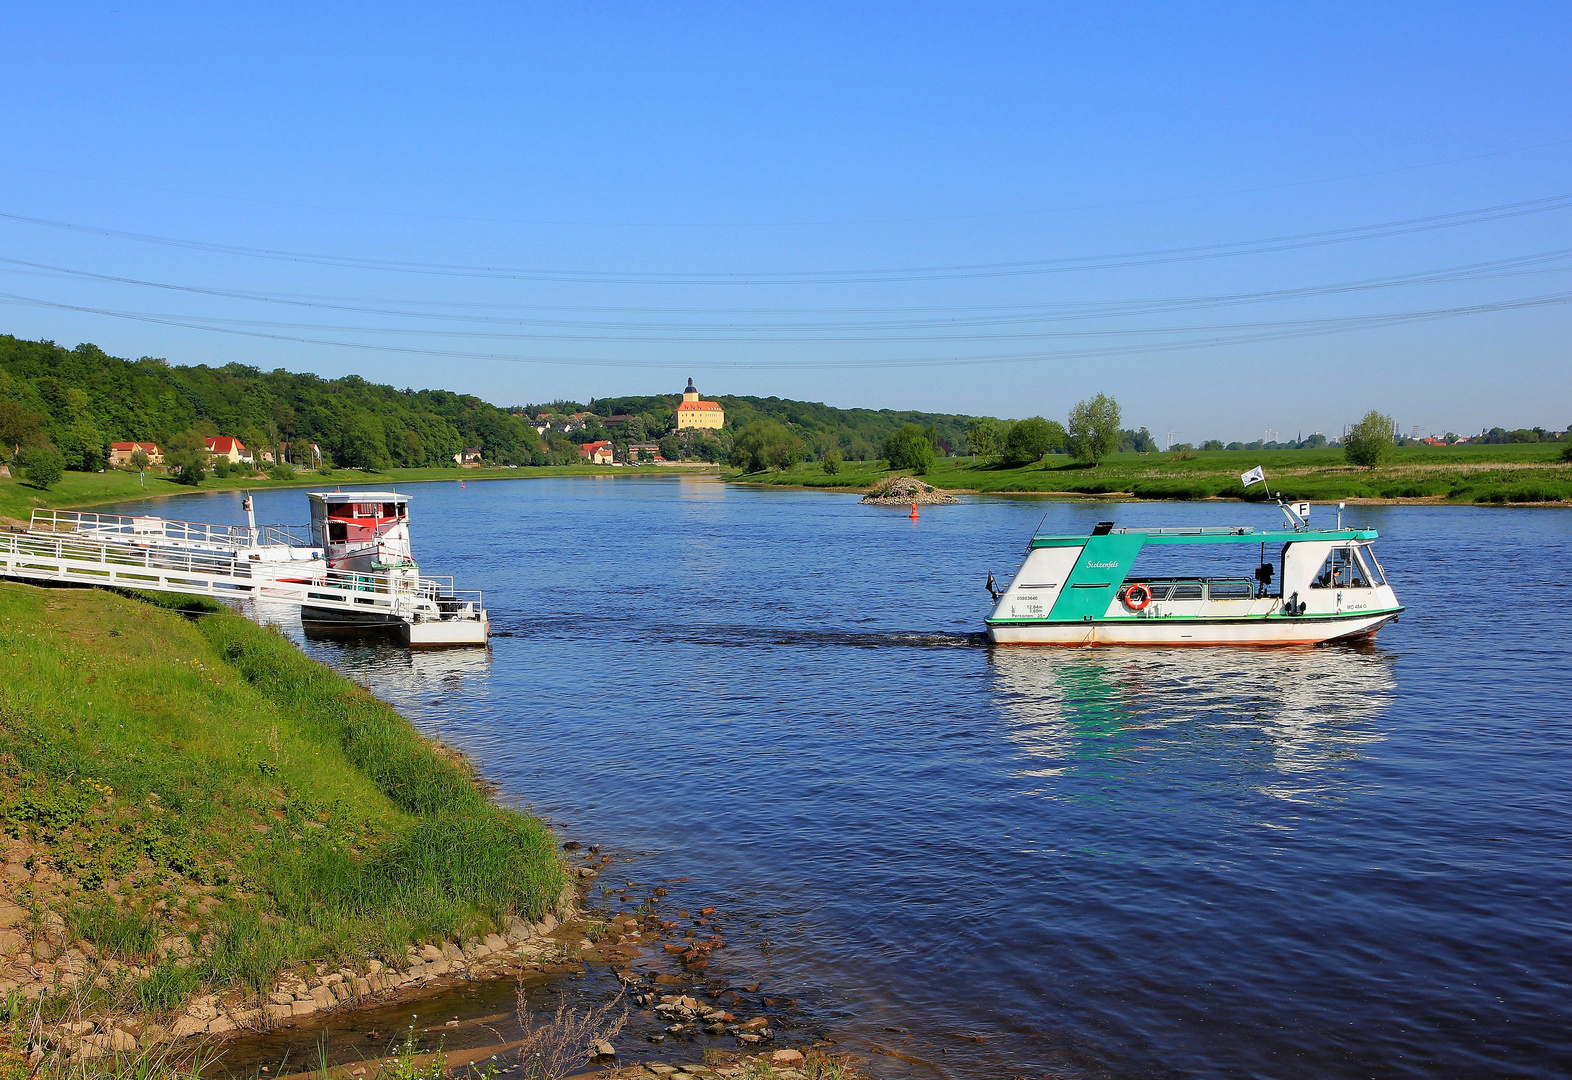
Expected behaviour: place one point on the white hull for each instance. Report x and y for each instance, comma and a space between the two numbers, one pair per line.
1275, 630
438, 634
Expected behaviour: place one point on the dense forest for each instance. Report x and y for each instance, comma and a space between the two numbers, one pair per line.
89, 399
83, 399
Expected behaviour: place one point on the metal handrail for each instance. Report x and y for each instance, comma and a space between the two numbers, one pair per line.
395, 592
182, 532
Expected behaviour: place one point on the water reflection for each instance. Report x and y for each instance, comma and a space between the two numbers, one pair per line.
1294, 717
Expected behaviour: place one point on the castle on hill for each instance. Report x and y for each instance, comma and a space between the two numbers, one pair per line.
693, 413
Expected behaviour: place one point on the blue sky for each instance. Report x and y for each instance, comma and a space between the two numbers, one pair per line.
908, 206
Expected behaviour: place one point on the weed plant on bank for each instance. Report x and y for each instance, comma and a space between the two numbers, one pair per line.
200, 803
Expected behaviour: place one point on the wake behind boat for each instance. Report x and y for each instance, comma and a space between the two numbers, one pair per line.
1082, 590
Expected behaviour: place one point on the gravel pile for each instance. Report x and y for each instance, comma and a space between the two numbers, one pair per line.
906, 490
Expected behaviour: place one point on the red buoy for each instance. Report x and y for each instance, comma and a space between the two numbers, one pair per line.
915, 515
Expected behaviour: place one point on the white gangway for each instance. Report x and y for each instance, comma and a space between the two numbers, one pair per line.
225, 562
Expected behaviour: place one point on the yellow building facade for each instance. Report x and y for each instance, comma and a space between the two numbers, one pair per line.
693, 413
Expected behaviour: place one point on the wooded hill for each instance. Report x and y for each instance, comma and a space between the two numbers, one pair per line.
858, 433
88, 399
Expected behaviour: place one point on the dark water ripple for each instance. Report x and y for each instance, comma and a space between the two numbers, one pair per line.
1351, 861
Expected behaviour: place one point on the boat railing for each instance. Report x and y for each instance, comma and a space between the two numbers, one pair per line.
432, 592
146, 529
1197, 530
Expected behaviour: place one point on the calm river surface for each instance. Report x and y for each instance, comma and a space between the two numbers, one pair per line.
1339, 862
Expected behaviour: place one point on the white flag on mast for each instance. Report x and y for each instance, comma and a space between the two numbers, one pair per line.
1254, 476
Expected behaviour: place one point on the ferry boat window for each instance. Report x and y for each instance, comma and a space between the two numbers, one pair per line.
1186, 592
1230, 590
1342, 570
338, 532
1372, 568
1160, 592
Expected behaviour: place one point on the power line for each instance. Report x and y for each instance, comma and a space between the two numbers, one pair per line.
1542, 262
1286, 186
1295, 241
1257, 336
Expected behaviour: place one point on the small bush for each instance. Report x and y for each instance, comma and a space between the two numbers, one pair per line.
1369, 441
1566, 453
43, 466
832, 462
909, 448
1032, 439
764, 444
281, 471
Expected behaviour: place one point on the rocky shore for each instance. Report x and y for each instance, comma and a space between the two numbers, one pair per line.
95, 1024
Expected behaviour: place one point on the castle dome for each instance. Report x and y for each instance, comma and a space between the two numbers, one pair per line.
690, 389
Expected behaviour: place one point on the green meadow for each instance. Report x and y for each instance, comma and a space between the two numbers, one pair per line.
1500, 474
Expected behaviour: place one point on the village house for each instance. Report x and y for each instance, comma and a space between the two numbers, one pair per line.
644, 451
693, 413
470, 457
120, 452
229, 448
598, 453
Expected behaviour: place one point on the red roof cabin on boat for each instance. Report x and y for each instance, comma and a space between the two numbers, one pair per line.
229, 448
120, 452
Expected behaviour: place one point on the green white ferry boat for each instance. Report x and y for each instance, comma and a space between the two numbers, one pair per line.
1079, 590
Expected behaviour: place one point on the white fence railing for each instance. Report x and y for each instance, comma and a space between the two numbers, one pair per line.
143, 530
85, 558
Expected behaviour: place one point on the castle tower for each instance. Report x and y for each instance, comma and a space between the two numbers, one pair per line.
693, 413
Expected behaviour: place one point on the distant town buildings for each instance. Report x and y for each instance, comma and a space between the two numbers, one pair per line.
597, 453
120, 452
229, 448
693, 413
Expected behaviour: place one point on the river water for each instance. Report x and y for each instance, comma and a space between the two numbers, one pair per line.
1336, 862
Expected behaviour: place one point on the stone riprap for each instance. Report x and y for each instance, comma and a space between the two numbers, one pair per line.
905, 491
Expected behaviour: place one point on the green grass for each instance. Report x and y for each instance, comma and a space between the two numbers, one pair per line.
202, 777
18, 499
1519, 473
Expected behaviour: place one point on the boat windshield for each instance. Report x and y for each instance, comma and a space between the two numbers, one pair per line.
1372, 567
1343, 570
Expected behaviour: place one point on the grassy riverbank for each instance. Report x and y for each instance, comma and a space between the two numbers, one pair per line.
1519, 473
190, 801
18, 499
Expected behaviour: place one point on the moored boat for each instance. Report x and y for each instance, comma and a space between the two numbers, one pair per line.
365, 538
1083, 590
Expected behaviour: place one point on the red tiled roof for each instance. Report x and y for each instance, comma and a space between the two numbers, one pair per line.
223, 444
128, 447
699, 406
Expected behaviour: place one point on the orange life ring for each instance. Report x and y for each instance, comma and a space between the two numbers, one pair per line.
1136, 597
